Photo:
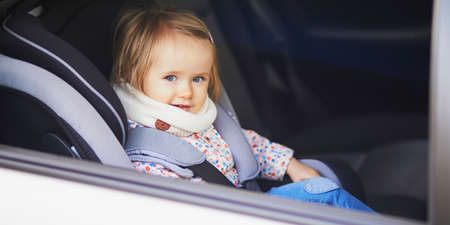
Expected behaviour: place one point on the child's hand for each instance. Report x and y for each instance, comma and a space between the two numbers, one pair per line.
298, 171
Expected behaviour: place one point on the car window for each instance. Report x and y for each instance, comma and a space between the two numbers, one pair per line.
336, 80
344, 83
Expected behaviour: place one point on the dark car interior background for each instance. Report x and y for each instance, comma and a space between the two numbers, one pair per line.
347, 80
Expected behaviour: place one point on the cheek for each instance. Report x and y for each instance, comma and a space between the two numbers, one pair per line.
200, 99
202, 93
157, 91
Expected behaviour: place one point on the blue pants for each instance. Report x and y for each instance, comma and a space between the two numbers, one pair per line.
319, 190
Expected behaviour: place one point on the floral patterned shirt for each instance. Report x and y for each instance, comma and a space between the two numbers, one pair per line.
272, 157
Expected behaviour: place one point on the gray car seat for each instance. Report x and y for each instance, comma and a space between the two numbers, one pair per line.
36, 118
52, 129
67, 29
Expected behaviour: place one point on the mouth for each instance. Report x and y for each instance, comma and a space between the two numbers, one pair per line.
182, 107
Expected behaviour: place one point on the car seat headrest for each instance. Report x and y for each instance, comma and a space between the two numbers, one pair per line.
83, 28
23, 37
78, 114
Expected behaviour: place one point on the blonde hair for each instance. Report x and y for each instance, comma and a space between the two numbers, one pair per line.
137, 32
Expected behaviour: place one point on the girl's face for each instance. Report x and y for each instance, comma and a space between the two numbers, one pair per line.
180, 72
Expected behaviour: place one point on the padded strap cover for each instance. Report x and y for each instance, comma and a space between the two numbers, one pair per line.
162, 145
152, 145
246, 164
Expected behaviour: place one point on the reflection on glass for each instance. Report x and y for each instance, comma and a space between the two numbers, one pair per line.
345, 83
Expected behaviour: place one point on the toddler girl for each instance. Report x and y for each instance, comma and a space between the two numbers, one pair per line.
165, 74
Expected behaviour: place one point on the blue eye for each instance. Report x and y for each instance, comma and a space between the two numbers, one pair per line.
198, 79
170, 77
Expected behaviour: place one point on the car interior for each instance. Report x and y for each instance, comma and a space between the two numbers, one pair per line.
331, 80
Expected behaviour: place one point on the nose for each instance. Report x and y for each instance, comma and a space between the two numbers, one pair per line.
185, 90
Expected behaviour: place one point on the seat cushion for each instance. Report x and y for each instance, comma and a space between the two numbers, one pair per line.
398, 205
397, 169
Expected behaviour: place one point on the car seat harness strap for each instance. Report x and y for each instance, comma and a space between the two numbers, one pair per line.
154, 146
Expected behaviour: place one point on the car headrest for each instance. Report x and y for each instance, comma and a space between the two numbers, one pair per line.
83, 28
81, 124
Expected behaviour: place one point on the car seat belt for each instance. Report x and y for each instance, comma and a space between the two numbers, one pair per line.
151, 145
154, 146
210, 174
231, 132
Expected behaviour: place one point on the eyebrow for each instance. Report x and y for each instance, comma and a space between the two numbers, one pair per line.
178, 72
203, 74
172, 72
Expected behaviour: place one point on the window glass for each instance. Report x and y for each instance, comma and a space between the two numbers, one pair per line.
333, 80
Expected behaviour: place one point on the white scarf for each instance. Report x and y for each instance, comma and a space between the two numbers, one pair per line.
151, 113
